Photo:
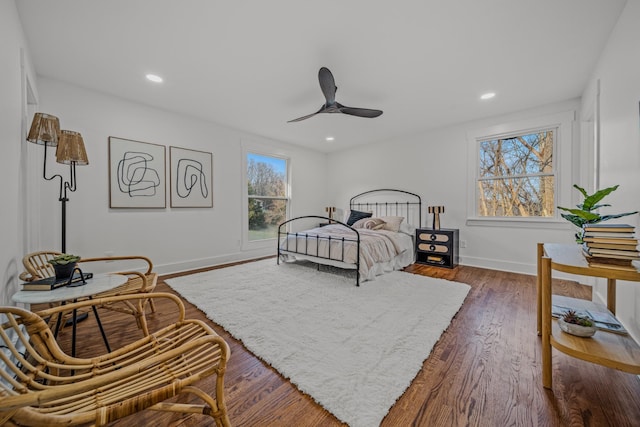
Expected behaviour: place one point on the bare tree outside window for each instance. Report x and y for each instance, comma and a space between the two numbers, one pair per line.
516, 176
267, 192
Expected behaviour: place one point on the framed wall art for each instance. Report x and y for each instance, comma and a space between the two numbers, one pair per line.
191, 174
136, 174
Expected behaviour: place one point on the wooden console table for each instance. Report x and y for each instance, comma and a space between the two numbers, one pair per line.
604, 348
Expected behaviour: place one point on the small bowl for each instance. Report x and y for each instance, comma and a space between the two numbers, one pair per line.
577, 330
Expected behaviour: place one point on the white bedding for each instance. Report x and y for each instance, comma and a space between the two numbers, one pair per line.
380, 250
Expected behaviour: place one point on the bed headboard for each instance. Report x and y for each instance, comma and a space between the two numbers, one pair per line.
389, 202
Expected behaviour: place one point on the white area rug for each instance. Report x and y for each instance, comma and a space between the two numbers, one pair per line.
353, 349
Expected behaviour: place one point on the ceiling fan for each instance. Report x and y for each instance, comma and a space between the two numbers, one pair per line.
328, 86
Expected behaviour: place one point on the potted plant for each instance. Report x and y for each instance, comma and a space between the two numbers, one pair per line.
64, 264
584, 214
574, 324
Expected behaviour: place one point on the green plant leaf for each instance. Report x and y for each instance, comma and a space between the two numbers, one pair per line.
608, 217
588, 216
582, 190
592, 200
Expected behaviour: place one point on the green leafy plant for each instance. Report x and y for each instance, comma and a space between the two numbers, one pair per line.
64, 259
571, 316
584, 214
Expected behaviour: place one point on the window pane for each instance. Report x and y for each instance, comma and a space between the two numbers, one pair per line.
520, 155
264, 217
266, 176
516, 197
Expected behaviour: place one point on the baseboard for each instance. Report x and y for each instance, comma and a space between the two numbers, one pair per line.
182, 266
519, 267
495, 264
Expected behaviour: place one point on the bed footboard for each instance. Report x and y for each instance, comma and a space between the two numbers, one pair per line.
319, 247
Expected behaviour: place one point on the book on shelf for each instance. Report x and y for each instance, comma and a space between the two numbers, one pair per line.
51, 283
616, 228
617, 241
621, 253
602, 319
610, 234
624, 247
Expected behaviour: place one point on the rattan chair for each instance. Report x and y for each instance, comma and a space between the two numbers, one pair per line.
42, 386
37, 267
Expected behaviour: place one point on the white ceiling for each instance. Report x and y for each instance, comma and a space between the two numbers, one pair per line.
253, 64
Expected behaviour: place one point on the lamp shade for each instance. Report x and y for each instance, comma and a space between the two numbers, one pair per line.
45, 130
71, 149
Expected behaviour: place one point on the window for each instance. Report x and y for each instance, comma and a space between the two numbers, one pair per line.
267, 195
520, 172
517, 176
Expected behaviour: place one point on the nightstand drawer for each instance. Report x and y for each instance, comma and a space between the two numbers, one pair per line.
433, 237
431, 247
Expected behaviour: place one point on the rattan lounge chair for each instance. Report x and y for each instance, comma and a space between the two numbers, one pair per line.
42, 386
37, 267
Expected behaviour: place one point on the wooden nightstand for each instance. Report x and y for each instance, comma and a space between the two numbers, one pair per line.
437, 247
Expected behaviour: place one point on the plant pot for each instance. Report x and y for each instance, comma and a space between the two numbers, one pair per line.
64, 271
577, 330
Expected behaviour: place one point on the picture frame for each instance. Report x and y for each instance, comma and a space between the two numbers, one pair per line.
191, 175
137, 174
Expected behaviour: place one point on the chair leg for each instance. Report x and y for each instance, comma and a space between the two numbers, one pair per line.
152, 305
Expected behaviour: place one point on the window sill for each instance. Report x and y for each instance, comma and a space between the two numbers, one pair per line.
551, 224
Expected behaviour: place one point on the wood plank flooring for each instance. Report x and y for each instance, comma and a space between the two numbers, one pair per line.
484, 371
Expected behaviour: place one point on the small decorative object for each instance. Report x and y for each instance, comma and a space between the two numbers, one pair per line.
64, 265
585, 213
436, 211
574, 324
330, 210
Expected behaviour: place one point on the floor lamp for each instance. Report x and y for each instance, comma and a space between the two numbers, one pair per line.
45, 130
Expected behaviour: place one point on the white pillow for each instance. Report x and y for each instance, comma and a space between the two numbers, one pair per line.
392, 223
369, 223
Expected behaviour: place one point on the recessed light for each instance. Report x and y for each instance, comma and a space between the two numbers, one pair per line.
329, 138
154, 78
488, 95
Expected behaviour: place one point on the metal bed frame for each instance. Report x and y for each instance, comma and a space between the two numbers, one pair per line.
370, 201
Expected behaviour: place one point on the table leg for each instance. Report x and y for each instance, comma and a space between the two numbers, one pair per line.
611, 295
546, 323
73, 332
539, 287
104, 336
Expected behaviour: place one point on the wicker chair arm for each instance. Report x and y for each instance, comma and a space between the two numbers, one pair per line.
121, 258
57, 392
107, 300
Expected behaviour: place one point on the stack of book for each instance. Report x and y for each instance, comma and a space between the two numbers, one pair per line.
611, 246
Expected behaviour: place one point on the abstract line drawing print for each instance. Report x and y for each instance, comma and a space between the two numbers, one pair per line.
191, 178
136, 177
189, 174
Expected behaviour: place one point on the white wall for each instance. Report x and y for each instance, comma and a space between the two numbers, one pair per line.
434, 165
15, 66
175, 239
618, 71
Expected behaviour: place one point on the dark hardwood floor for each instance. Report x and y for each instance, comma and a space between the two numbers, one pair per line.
484, 371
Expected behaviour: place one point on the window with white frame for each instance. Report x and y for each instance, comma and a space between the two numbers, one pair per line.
520, 171
267, 195
516, 175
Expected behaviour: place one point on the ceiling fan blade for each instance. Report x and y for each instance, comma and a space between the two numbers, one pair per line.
327, 84
360, 112
321, 110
